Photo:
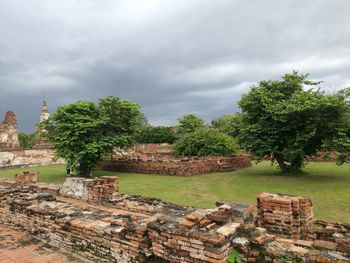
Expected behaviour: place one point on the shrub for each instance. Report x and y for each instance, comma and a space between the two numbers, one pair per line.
205, 142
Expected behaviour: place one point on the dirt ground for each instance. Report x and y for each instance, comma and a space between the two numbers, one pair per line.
20, 247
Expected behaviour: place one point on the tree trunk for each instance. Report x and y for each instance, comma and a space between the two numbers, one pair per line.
280, 160
293, 167
86, 172
296, 165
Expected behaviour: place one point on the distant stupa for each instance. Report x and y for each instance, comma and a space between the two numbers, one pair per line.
44, 115
40, 141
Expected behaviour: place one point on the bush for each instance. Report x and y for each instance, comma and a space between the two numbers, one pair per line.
205, 142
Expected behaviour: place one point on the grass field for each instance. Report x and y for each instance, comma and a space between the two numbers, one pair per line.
326, 183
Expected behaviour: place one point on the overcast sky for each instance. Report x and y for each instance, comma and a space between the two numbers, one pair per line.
171, 56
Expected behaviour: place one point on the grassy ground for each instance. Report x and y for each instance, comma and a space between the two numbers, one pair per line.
327, 184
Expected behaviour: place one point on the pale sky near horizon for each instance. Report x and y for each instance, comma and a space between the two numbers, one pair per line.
171, 56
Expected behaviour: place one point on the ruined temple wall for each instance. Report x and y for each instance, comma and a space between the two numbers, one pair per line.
8, 132
158, 159
180, 166
132, 228
27, 158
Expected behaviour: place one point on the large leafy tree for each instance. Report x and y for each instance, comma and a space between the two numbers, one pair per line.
83, 132
228, 123
156, 134
189, 123
288, 121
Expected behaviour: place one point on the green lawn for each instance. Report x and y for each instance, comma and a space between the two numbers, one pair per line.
327, 184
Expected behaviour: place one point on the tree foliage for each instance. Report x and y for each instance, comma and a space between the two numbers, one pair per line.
205, 142
189, 123
156, 134
284, 120
228, 123
340, 143
26, 140
83, 132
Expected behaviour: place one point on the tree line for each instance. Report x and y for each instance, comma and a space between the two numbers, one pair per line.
286, 120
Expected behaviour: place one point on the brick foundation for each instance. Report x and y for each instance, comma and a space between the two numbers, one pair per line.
184, 166
132, 228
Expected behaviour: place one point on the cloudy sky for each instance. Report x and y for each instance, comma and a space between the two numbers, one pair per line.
171, 56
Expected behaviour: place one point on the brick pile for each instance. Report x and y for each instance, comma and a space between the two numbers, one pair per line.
284, 215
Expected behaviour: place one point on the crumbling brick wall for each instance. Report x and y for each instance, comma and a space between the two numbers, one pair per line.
8, 132
284, 215
27, 178
180, 166
329, 235
97, 190
132, 228
28, 157
158, 159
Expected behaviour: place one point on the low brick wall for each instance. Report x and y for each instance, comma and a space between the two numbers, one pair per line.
27, 158
329, 235
132, 228
97, 190
26, 178
180, 166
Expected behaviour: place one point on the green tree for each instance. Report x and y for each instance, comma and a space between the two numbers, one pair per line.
83, 132
189, 123
228, 123
26, 140
340, 143
205, 142
156, 134
284, 120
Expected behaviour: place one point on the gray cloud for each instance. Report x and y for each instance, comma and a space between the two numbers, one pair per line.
171, 56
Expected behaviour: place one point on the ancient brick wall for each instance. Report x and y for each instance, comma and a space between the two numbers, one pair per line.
26, 178
149, 149
284, 215
329, 235
133, 228
27, 157
93, 190
180, 166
